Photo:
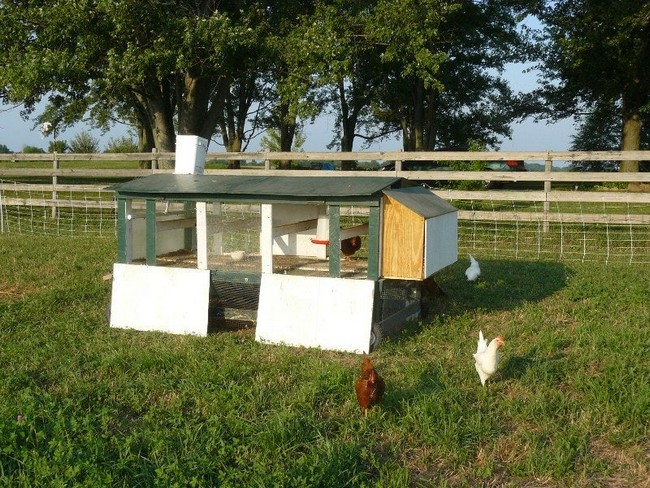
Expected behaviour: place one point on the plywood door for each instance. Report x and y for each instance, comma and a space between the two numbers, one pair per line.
402, 242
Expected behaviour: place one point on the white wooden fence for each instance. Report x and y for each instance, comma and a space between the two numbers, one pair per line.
70, 194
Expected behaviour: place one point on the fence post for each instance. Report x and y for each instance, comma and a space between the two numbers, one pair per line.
154, 161
548, 168
55, 180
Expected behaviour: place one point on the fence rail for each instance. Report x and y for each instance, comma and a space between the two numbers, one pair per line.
74, 190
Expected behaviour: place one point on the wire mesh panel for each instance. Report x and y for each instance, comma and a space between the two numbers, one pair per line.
233, 237
594, 232
586, 231
36, 209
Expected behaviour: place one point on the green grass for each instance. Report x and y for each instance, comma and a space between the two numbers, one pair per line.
107, 407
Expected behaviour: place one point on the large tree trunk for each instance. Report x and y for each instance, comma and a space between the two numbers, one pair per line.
145, 134
161, 120
349, 125
193, 104
431, 124
631, 137
287, 131
413, 124
418, 115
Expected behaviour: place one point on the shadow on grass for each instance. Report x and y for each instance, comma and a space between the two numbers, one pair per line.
503, 285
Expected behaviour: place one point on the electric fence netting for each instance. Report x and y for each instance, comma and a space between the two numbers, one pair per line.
601, 232
37, 210
588, 232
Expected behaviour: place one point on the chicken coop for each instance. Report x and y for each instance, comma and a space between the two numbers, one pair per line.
314, 261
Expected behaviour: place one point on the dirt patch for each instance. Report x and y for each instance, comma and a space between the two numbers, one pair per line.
630, 466
15, 292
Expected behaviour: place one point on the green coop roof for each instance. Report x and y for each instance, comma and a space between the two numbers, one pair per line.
259, 188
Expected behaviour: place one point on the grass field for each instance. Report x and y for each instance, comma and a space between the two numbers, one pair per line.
85, 405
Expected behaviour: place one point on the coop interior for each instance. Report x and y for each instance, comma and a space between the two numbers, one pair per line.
233, 240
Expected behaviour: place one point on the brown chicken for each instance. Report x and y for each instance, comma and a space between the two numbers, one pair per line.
350, 246
369, 387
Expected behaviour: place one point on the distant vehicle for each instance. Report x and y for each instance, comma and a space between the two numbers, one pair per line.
416, 166
510, 165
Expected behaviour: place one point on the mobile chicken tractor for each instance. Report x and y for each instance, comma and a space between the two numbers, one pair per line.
335, 262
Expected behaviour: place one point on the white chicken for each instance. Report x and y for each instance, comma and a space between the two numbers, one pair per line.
487, 356
474, 270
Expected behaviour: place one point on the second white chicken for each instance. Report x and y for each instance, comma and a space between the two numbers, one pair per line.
487, 356
474, 270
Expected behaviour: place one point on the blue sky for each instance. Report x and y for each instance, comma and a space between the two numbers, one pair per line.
527, 136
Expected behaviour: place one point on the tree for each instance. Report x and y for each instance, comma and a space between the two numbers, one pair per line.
288, 74
600, 130
347, 65
168, 72
33, 150
598, 53
443, 59
84, 142
4, 149
57, 146
124, 144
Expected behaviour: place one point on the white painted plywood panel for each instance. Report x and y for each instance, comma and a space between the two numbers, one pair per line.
160, 298
441, 242
299, 244
323, 312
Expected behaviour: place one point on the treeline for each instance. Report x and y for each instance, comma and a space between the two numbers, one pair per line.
427, 70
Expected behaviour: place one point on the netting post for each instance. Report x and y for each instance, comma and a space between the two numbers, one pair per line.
548, 168
55, 180
2, 216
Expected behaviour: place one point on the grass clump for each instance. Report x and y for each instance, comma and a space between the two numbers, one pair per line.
82, 404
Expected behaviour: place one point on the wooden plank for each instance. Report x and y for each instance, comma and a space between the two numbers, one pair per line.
293, 228
566, 218
160, 298
540, 196
266, 238
335, 241
201, 235
123, 210
374, 238
151, 232
351, 156
74, 172
402, 242
514, 176
46, 202
46, 187
328, 313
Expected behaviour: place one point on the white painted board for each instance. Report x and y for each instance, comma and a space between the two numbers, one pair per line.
323, 312
159, 298
440, 242
299, 244
167, 241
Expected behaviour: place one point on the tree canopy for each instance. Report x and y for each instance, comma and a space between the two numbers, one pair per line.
428, 70
596, 54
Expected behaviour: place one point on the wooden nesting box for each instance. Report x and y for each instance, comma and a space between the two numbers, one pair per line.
419, 234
